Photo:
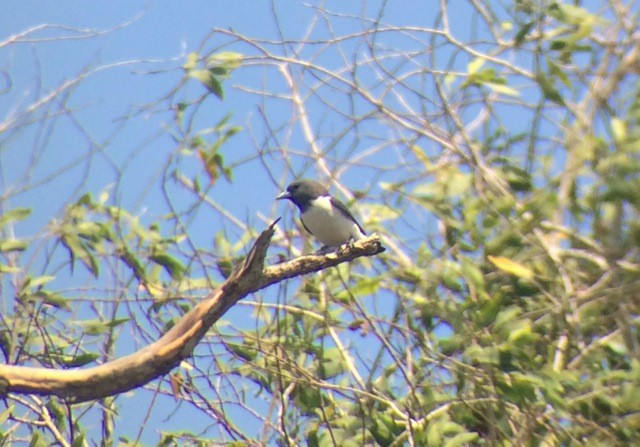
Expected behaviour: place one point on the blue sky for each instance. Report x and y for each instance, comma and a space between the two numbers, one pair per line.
115, 114
159, 36
156, 36
113, 133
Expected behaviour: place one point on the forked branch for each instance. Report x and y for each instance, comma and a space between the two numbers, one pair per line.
157, 359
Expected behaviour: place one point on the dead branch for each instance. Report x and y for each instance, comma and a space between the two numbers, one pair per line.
157, 359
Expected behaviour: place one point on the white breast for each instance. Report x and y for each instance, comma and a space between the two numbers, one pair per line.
328, 225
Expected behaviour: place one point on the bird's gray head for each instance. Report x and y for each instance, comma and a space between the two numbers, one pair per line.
301, 192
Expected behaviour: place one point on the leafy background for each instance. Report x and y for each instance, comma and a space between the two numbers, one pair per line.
493, 146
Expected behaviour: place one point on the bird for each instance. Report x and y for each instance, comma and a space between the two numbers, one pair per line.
322, 215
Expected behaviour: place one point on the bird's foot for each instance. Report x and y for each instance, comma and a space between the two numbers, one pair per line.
347, 245
326, 249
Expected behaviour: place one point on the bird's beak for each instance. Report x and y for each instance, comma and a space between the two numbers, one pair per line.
284, 195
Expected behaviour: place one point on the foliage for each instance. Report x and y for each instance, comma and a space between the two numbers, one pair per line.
497, 152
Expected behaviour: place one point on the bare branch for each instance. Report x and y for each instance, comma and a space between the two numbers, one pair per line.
155, 360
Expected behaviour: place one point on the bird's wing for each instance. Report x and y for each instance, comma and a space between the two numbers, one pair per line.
304, 225
345, 211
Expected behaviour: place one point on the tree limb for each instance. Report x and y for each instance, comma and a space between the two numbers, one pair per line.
155, 360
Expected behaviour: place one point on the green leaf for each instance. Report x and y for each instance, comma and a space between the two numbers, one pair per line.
192, 61
78, 441
363, 287
571, 14
222, 64
172, 266
14, 215
504, 89
470, 270
384, 429
57, 413
79, 250
434, 431
6, 413
93, 231
559, 45
209, 80
621, 189
308, 398
8, 269
556, 71
53, 299
37, 281
452, 344
482, 355
448, 274
332, 363
461, 439
619, 129
379, 211
97, 327
85, 200
197, 186
521, 35
518, 179
9, 245
521, 333
117, 322
37, 440
225, 266
475, 65
93, 327
510, 266
549, 90
77, 361
248, 353
132, 261
481, 77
